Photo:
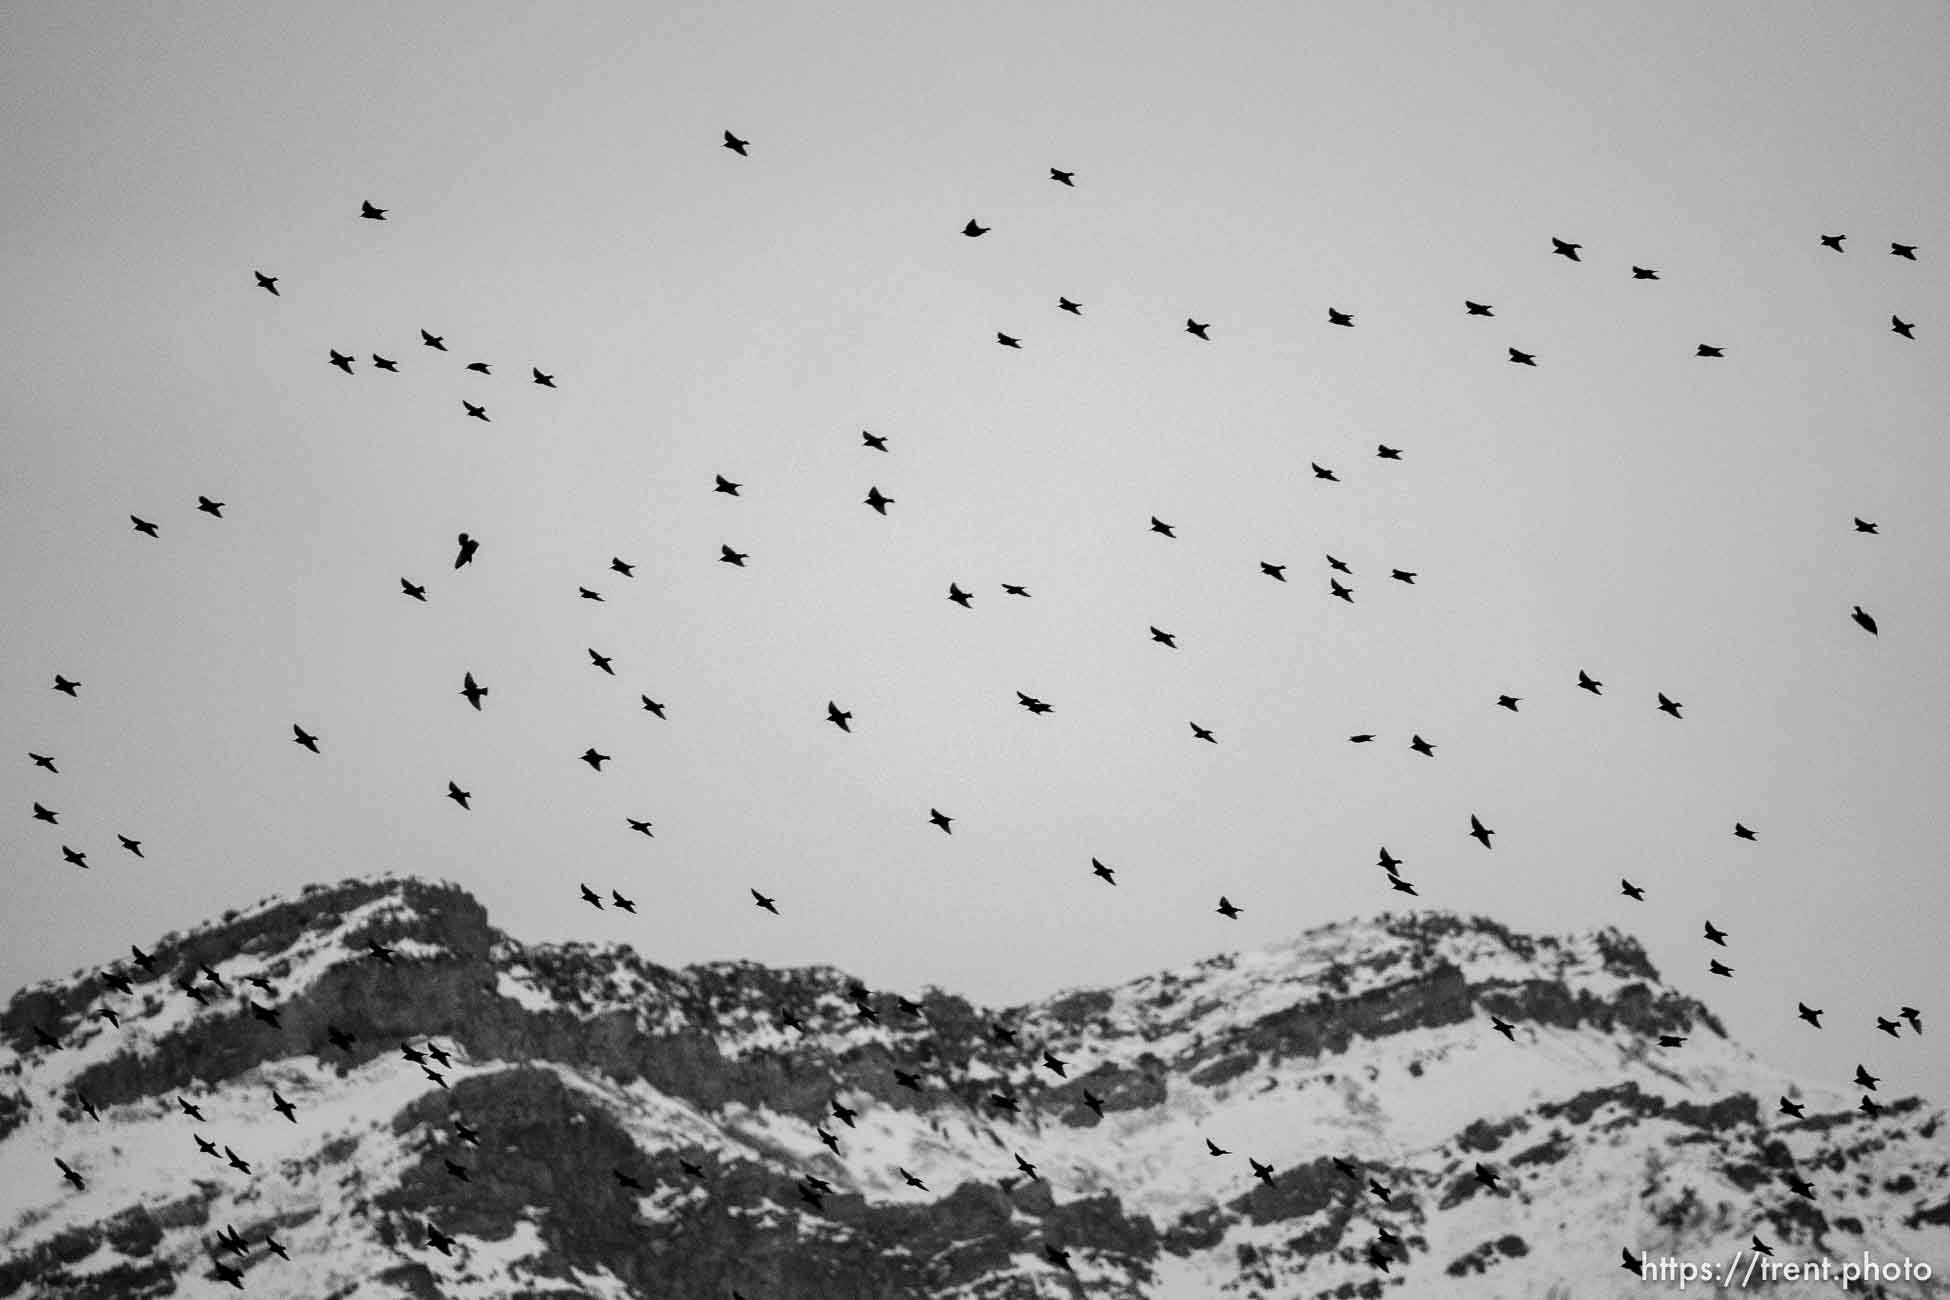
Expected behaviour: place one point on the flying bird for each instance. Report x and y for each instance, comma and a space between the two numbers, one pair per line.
1033, 704
209, 507
1715, 934
1214, 1149
1204, 734
384, 363
876, 442
1562, 249
1906, 251
650, 705
760, 900
144, 526
546, 381
1227, 909
1523, 358
1864, 526
1888, 1026
1863, 1079
1667, 705
1194, 328
1339, 317
839, 717
627, 570
1277, 571
938, 818
1338, 566
1833, 241
1741, 832
1361, 739
1421, 746
299, 736
371, 213
725, 485
458, 795
43, 760
736, 145
1717, 967
595, 760
1587, 682
1897, 325
640, 827
479, 367
342, 361
621, 903
877, 501
1323, 473
1913, 1016
1335, 588
1865, 621
268, 283
476, 412
590, 897
472, 691
1478, 308
465, 555
959, 596
1165, 639
1479, 832
1810, 1014
974, 229
283, 1106
1708, 350
68, 1173
601, 661
1161, 527
1644, 273
1508, 701
1403, 575
433, 341
47, 815
1014, 589
1385, 452
1074, 308
1007, 341
1106, 874
74, 857
1632, 891
728, 556
587, 594
1063, 177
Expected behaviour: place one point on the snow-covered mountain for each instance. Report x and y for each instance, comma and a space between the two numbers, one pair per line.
639, 1131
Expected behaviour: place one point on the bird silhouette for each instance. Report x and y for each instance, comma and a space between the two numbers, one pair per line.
209, 507
1523, 358
1717, 967
1897, 325
1708, 350
1385, 452
1214, 1149
1864, 621
621, 903
475, 412
465, 555
1277, 571
938, 818
1338, 566
1715, 934
728, 556
472, 691
1227, 909
144, 526
1074, 308
1833, 241
1014, 589
1810, 1014
877, 501
458, 795
189, 1108
1339, 317
1479, 832
1204, 734
1644, 273
587, 594
1163, 638
1192, 327
1741, 832
1403, 575
1063, 177
974, 229
438, 1240
651, 706
1161, 527
1632, 891
839, 717
641, 827
725, 485
1033, 704
1361, 739
384, 363
1563, 249
959, 596
627, 570
1905, 251
1262, 1172
282, 1106
371, 213
736, 145
1335, 588
299, 736
1863, 1079
342, 361
1888, 1026
480, 367
1587, 682
1007, 340
48, 815
433, 341
761, 900
1913, 1016
44, 760
1508, 702
546, 381
68, 1173
876, 442
1864, 526
590, 897
268, 283
595, 760
1478, 308
1106, 874
1672, 1040
1668, 705
1421, 746
601, 661
74, 858
1323, 473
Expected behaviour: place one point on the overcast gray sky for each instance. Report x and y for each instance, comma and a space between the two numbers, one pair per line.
557, 196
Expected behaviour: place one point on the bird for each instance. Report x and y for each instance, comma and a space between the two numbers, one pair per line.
1587, 682
1644, 273
206, 1147
587, 594
467, 547
1630, 890
761, 900
466, 1134
379, 950
845, 1114
439, 1053
1667, 705
1708, 350
546, 381
839, 717
472, 691
433, 341
1486, 1176
384, 363
1074, 308
974, 229
938, 818
1262, 1172
1228, 909
831, 1142
1321, 472
1033, 704
959, 596
1007, 340
1379, 1192
1403, 575
1163, 638
1504, 1027
479, 367
1197, 330
627, 570
1716, 967
1361, 739
1388, 861
877, 501
1865, 621
74, 857
1094, 1102
1869, 1107
1422, 746
1214, 1149
1106, 874
1478, 308
48, 815
299, 736
590, 897
1384, 452
1864, 1079
476, 412
1864, 526
1204, 734
144, 526
1833, 241
1714, 934
283, 1106
1632, 1264
209, 507
1913, 1016
1162, 528
189, 1108
651, 706
438, 1240
1905, 251
342, 361
276, 1247
1888, 1026
1508, 701
43, 760
1339, 317
1897, 325
1810, 1014
600, 661
142, 959
1523, 358
418, 593
1275, 571
728, 556
69, 1174
1792, 1109
1479, 832
1741, 832
725, 485
1800, 1186
371, 213
457, 794
1562, 249
736, 145
268, 283
1672, 1040
875, 442
1024, 1165
1339, 566
1335, 588
595, 760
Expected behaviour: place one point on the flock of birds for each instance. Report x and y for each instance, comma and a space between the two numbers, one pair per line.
812, 1190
